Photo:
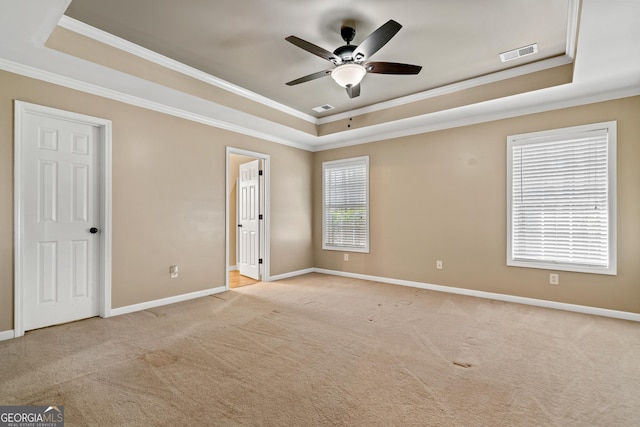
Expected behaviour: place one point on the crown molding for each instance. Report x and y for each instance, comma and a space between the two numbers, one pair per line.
606, 69
483, 112
518, 105
46, 76
544, 64
156, 58
452, 88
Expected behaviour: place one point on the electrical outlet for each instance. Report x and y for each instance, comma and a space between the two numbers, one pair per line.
439, 264
173, 271
346, 257
554, 279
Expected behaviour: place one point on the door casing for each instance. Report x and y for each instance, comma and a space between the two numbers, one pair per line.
21, 109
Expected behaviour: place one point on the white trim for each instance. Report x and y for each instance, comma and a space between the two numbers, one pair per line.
106, 217
141, 52
7, 335
20, 110
237, 229
634, 317
86, 30
266, 209
293, 274
625, 315
572, 28
17, 222
588, 87
570, 50
165, 301
92, 89
482, 112
472, 114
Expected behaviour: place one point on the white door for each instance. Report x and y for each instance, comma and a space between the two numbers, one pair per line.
249, 223
60, 216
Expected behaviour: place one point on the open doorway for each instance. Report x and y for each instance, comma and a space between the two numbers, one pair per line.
247, 201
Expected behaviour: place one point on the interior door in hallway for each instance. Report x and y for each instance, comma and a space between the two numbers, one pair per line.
60, 221
249, 223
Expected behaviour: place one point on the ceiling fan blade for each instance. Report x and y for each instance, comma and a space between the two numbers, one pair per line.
316, 50
391, 68
310, 77
353, 91
376, 40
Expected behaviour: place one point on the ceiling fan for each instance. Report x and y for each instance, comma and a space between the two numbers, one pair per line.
351, 61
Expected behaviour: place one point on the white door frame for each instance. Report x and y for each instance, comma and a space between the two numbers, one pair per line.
264, 229
104, 130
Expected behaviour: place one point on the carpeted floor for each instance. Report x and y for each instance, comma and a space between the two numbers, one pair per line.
320, 350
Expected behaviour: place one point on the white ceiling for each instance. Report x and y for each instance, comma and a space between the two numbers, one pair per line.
607, 60
243, 42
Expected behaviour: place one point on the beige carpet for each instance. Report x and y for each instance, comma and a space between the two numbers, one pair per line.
327, 351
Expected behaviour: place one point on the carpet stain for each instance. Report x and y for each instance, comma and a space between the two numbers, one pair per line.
159, 358
462, 364
155, 314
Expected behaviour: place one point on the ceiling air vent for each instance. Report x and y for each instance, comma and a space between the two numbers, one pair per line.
519, 53
323, 108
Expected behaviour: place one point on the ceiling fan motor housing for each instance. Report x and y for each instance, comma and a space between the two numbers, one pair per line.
346, 53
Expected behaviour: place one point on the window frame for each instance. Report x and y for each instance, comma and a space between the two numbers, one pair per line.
559, 135
362, 160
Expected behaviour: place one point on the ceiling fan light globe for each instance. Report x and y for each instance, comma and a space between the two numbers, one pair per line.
348, 74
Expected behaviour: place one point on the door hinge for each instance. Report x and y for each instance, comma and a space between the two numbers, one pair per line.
260, 172
260, 216
260, 261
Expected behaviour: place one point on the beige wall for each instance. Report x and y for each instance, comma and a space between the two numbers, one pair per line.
168, 197
441, 195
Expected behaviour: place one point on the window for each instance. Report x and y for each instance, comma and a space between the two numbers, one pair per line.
345, 205
561, 199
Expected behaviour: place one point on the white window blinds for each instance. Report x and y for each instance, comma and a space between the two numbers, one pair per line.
345, 222
561, 193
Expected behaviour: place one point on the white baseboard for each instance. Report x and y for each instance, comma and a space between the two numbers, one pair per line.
233, 268
7, 335
635, 317
292, 274
165, 301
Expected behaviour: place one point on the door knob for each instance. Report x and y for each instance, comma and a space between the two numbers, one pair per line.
93, 230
